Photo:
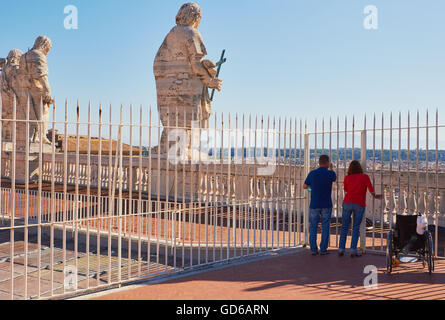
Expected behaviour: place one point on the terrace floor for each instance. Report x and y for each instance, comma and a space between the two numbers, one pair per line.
296, 275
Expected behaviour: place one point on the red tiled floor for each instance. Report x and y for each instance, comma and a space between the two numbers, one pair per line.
298, 276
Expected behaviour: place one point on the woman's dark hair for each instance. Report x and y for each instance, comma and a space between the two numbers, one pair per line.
355, 167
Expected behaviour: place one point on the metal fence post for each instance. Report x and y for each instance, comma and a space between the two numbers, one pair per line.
363, 163
307, 168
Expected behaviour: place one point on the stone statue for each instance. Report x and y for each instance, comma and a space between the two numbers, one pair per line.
183, 76
35, 85
9, 87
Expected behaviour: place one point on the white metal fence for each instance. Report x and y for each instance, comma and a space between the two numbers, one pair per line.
104, 207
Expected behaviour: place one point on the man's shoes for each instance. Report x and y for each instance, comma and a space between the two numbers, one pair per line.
355, 255
324, 253
341, 253
314, 253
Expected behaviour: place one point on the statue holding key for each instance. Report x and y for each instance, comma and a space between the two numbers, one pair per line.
183, 76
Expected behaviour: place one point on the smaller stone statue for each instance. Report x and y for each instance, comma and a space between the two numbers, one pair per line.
9, 86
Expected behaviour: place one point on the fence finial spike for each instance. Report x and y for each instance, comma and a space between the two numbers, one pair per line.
66, 109
27, 108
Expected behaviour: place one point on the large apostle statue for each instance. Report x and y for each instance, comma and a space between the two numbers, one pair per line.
183, 76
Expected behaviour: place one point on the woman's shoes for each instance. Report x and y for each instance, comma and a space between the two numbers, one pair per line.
353, 254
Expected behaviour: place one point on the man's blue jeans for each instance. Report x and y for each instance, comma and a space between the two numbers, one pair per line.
315, 215
348, 210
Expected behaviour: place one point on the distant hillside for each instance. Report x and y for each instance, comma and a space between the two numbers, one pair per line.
404, 156
347, 154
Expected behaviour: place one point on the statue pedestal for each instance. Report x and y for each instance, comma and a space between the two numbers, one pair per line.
34, 148
20, 160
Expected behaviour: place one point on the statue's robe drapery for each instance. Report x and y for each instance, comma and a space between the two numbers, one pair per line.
33, 67
179, 88
33, 77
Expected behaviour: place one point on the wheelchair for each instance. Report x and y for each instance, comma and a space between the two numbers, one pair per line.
401, 234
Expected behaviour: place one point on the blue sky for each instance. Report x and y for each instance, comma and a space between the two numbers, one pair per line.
285, 58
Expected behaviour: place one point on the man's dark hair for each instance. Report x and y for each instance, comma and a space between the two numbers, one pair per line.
324, 159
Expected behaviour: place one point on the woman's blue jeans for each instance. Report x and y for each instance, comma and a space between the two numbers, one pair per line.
348, 210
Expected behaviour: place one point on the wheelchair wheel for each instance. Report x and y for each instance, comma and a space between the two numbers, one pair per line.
429, 252
389, 251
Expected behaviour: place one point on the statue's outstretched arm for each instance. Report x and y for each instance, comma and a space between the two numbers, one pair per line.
196, 53
46, 89
202, 73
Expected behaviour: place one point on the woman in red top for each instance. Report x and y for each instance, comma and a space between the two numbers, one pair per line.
356, 184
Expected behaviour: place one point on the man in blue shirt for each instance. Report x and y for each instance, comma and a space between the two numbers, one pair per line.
319, 182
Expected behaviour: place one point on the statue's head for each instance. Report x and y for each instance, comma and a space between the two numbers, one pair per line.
14, 57
189, 14
43, 44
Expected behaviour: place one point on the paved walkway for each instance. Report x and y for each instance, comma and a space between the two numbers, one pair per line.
296, 275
